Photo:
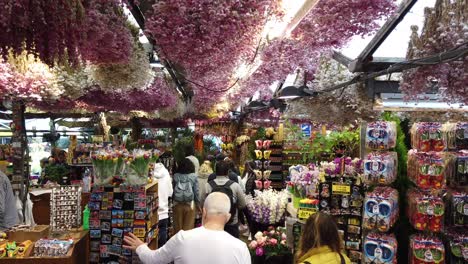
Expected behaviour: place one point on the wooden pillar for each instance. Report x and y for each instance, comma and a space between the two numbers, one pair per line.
136, 129
20, 177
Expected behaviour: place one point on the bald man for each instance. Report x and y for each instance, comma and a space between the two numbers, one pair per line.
206, 244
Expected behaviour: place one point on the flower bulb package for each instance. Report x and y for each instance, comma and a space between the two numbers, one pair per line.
429, 170
426, 249
380, 209
456, 135
425, 211
380, 168
457, 241
460, 175
381, 135
427, 137
380, 248
457, 211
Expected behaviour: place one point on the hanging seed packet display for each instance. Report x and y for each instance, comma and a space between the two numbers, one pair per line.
426, 249
380, 209
380, 248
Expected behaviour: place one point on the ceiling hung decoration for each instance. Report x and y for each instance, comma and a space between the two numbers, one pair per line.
160, 94
330, 106
134, 74
66, 31
209, 40
329, 25
25, 77
444, 29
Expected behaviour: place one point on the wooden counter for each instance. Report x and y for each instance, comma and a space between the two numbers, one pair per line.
78, 254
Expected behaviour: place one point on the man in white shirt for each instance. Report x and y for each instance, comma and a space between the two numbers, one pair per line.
206, 244
164, 192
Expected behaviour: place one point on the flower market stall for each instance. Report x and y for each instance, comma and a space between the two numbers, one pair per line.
356, 109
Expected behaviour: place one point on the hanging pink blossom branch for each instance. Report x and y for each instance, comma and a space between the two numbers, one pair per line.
209, 39
444, 29
59, 31
330, 24
159, 95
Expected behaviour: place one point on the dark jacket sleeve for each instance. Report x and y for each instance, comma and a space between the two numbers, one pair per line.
212, 177
250, 184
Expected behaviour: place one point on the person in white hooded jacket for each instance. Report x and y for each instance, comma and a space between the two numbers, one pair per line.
164, 192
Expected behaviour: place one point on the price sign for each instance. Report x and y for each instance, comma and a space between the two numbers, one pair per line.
341, 188
305, 213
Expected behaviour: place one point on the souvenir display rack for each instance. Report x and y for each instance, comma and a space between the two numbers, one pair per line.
115, 212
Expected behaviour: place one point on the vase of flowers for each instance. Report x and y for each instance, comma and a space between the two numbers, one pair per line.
270, 247
138, 166
104, 164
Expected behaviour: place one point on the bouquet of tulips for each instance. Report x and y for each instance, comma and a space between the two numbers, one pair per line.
105, 164
138, 166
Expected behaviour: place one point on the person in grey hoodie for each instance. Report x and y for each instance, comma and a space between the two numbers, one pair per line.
164, 192
8, 213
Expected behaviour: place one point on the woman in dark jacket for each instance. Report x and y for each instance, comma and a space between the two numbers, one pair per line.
249, 166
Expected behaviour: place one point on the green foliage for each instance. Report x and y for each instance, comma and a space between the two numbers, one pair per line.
209, 147
402, 184
179, 148
54, 172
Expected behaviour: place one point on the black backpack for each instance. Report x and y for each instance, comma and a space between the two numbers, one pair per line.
226, 189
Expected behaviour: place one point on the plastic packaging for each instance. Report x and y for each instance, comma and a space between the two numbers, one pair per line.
28, 212
428, 170
52, 247
86, 218
457, 210
380, 168
457, 241
456, 135
380, 248
381, 135
427, 137
426, 211
426, 249
380, 209
460, 175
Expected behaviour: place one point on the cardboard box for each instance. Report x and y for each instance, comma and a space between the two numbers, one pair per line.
36, 233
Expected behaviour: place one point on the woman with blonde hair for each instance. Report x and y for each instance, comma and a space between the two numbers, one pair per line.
320, 242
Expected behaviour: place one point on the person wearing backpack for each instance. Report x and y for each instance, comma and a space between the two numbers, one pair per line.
233, 190
186, 196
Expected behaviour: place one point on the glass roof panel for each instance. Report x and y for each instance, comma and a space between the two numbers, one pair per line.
396, 43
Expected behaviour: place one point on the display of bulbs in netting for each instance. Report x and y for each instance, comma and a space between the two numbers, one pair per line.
425, 211
380, 168
380, 248
381, 135
380, 209
426, 249
429, 170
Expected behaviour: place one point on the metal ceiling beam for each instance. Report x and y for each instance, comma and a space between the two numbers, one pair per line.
366, 55
341, 58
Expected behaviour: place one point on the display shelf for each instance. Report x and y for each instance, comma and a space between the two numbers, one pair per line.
77, 254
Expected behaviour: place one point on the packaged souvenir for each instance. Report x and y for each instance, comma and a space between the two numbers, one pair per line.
429, 170
426, 249
52, 247
456, 135
381, 135
380, 168
426, 211
427, 137
380, 248
380, 209
457, 242
457, 208
460, 175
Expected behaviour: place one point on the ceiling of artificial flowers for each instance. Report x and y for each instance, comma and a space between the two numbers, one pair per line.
61, 55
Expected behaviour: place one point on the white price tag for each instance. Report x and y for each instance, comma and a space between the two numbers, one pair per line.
430, 210
375, 209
